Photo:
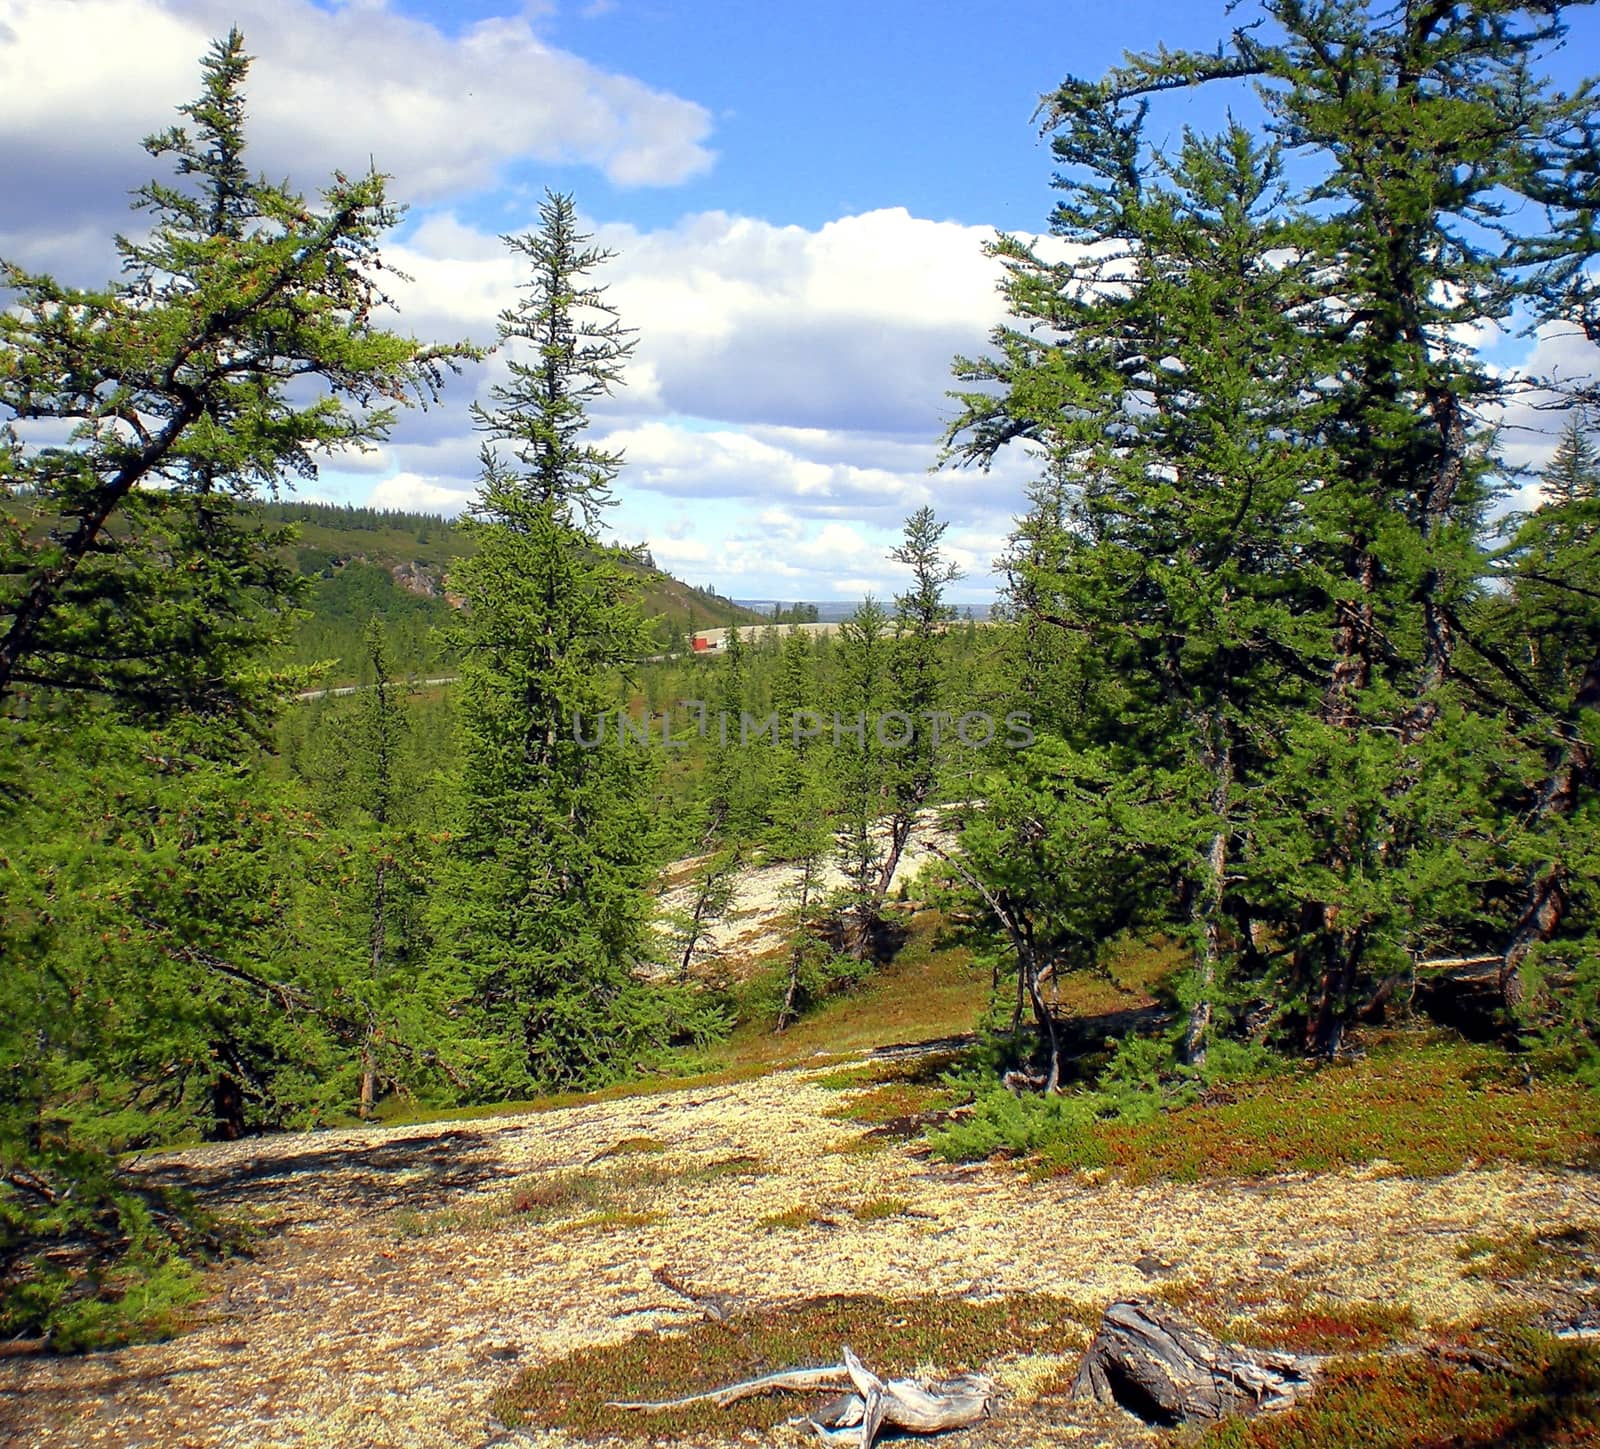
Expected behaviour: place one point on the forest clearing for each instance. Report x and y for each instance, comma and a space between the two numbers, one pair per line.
411, 1282
402, 1289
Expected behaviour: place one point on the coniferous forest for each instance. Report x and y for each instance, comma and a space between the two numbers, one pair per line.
1284, 690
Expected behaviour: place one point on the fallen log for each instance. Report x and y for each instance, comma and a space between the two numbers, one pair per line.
1156, 1363
856, 1418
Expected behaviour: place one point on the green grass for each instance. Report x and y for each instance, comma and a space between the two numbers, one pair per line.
1568, 1252
1547, 1397
930, 989
793, 1219
876, 1209
926, 992
1424, 1103
893, 1337
612, 1221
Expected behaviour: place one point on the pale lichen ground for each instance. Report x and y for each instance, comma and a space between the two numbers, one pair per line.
758, 916
397, 1293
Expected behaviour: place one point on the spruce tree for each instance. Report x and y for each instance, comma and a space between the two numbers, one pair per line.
1293, 613
862, 766
167, 968
1534, 649
800, 821
917, 689
242, 339
544, 920
370, 788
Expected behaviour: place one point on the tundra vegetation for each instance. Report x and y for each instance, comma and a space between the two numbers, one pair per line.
1313, 714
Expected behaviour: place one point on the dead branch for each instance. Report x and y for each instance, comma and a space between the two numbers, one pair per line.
856, 1418
801, 1380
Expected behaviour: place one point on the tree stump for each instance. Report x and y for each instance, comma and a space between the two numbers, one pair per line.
1156, 1363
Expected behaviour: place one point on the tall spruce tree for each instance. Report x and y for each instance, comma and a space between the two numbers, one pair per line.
1534, 649
545, 918
126, 568
1418, 124
862, 765
1165, 537
368, 782
800, 821
917, 690
164, 966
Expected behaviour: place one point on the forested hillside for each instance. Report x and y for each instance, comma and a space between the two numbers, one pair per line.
367, 563
1262, 812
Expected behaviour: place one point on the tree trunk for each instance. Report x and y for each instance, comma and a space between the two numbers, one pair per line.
1545, 901
867, 917
1154, 1362
704, 916
369, 1083
1327, 963
1206, 907
789, 1012
369, 1070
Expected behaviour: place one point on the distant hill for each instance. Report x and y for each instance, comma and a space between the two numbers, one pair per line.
370, 561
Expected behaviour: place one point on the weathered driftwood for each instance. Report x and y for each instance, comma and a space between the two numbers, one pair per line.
718, 1307
922, 1408
801, 1380
857, 1418
1160, 1365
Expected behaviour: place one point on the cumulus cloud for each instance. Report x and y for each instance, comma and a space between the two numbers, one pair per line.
848, 327
423, 495
786, 380
82, 80
784, 406
1559, 362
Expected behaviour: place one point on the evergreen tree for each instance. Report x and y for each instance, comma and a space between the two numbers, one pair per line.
800, 813
545, 919
1278, 509
372, 792
1573, 473
1535, 645
917, 722
862, 766
1154, 576
129, 570
165, 966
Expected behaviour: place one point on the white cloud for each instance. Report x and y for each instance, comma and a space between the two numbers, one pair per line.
1559, 361
852, 325
81, 81
407, 490
785, 379
728, 463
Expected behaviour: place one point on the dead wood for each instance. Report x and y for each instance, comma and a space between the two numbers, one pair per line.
857, 1418
718, 1307
921, 1408
800, 1380
1156, 1363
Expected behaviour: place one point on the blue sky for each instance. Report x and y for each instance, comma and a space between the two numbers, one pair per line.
830, 108
798, 196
